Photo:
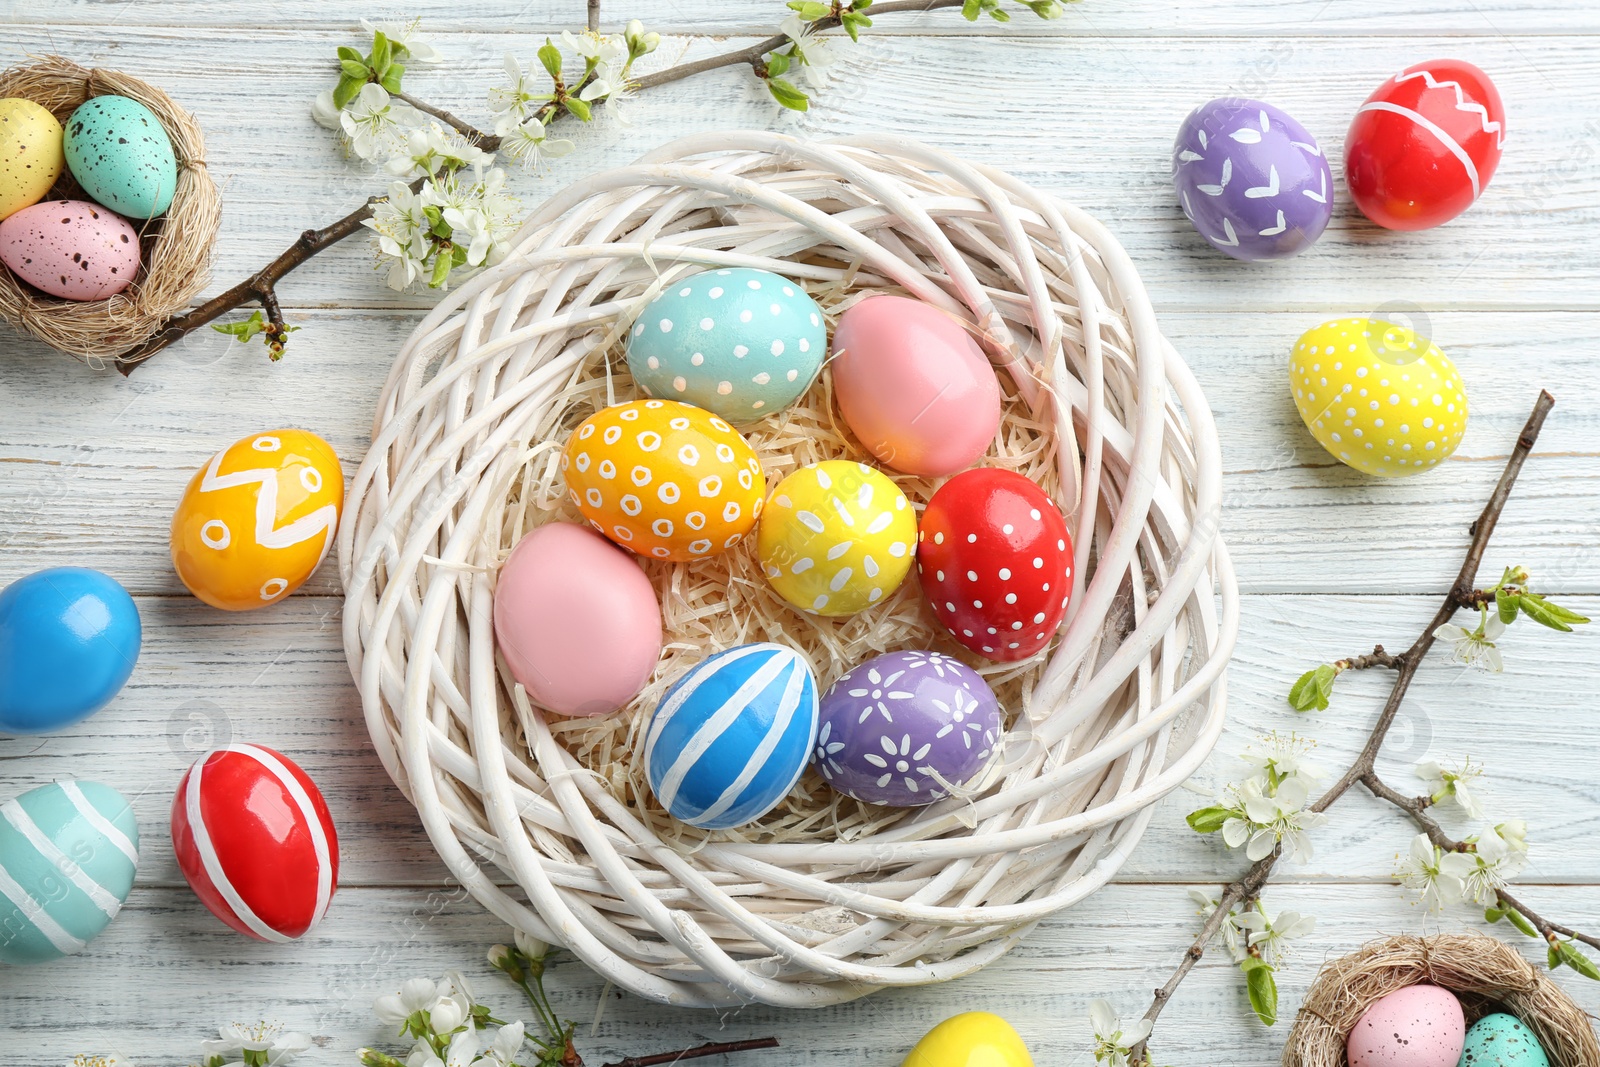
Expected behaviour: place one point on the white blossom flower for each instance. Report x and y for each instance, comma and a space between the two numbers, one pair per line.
1268, 934
1264, 819
402, 231
1232, 934
1514, 832
812, 51
433, 148
374, 125
1452, 784
1495, 863
422, 54
517, 101
1279, 756
640, 41
235, 1041
605, 49
325, 113
1112, 1044
417, 994
1437, 875
529, 145
531, 946
505, 1046
1475, 648
461, 1052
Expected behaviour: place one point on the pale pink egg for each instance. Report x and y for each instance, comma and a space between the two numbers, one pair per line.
576, 620
70, 248
1418, 1026
914, 386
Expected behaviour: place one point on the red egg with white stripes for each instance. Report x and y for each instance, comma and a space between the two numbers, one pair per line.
1424, 145
995, 560
255, 841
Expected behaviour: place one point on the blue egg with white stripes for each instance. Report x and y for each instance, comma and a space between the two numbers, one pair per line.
732, 736
69, 639
68, 852
739, 342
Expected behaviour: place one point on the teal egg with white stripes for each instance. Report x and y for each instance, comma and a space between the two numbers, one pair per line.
732, 736
739, 342
68, 852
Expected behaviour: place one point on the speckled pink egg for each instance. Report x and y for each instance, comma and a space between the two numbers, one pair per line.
576, 620
70, 248
1418, 1026
914, 386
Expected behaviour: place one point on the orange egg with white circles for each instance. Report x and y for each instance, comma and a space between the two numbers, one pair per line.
257, 520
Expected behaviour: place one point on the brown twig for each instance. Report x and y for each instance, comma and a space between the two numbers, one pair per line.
594, 14
713, 1049
1376, 658
486, 141
1405, 667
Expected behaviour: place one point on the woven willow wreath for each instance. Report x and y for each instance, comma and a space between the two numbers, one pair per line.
174, 250
824, 899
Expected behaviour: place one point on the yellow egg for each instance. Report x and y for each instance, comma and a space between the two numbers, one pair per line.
837, 537
972, 1039
664, 479
30, 153
1377, 396
257, 519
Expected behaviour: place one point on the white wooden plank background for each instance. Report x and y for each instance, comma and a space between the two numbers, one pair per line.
91, 464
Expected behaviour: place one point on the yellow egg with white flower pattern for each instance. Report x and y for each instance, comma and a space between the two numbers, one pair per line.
1378, 396
837, 537
664, 479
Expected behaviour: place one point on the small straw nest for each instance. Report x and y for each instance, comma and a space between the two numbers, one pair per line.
548, 822
174, 248
1487, 974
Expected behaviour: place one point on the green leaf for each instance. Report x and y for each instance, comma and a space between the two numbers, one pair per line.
787, 94
1520, 921
579, 108
777, 64
346, 91
1263, 989
1494, 915
354, 68
391, 77
1000, 15
1208, 820
1555, 957
1545, 613
381, 54
441, 271
970, 10
854, 24
1574, 958
1314, 689
1506, 604
809, 10
550, 56
243, 330
346, 52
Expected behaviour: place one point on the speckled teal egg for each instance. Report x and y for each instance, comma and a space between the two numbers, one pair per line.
742, 343
122, 156
1501, 1040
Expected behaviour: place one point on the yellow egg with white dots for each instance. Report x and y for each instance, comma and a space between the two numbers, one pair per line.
836, 537
1378, 396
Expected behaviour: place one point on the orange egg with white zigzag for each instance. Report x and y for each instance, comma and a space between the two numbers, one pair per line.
258, 519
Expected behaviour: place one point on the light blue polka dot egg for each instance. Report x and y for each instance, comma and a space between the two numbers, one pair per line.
68, 851
732, 736
742, 343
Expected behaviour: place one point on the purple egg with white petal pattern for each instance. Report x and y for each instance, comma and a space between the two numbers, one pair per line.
1253, 181
903, 728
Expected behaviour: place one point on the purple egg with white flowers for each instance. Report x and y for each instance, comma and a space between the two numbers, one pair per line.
1253, 181
903, 728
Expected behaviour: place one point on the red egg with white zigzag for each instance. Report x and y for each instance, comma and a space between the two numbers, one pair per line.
255, 841
1424, 145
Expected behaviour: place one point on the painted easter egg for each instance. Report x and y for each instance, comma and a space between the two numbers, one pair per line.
995, 561
971, 1039
732, 736
1501, 1040
257, 520
1377, 396
68, 852
837, 537
915, 388
1424, 145
69, 638
121, 155
664, 479
1418, 1026
903, 727
576, 620
1252, 180
255, 841
70, 248
742, 343
30, 154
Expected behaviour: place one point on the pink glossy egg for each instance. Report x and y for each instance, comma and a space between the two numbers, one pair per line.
576, 620
914, 386
1418, 1026
71, 248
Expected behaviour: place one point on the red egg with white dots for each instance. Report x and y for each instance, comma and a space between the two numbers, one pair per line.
995, 561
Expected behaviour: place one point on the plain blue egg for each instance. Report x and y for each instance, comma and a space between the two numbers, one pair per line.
69, 637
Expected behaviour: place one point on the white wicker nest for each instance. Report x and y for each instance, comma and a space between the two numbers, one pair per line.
813, 911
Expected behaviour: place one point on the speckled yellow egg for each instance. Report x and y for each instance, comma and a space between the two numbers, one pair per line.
837, 538
258, 519
30, 153
1377, 396
664, 479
